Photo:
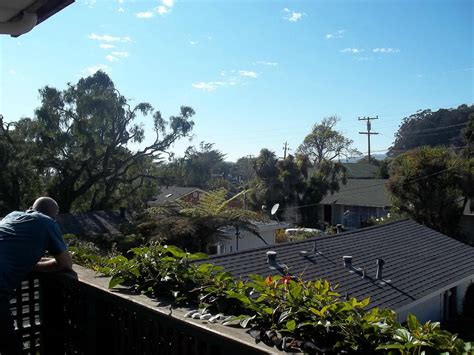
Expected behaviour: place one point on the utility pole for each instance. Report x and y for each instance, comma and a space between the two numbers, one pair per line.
369, 133
285, 148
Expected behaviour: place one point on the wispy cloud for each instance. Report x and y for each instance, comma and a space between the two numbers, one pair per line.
247, 73
270, 64
111, 58
120, 9
193, 43
106, 46
109, 38
145, 14
292, 16
337, 34
115, 56
92, 69
162, 10
385, 50
12, 72
208, 86
228, 78
352, 50
168, 3
90, 3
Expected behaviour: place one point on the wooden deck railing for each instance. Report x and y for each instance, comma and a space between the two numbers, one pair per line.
62, 314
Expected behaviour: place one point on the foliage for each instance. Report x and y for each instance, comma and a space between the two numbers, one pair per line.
325, 143
425, 338
430, 185
194, 227
78, 144
19, 180
282, 311
427, 128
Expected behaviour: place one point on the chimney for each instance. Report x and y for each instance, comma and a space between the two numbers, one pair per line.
380, 263
122, 212
347, 261
271, 257
339, 228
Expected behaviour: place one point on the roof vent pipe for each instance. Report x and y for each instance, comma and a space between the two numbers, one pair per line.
16, 28
271, 257
347, 260
380, 263
339, 228
315, 247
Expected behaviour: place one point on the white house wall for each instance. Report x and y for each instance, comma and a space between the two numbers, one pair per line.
430, 309
247, 240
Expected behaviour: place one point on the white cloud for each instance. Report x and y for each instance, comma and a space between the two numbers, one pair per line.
385, 50
92, 69
106, 46
121, 1
193, 43
270, 64
114, 56
168, 3
246, 73
120, 9
108, 38
90, 3
337, 34
12, 72
295, 16
162, 10
352, 50
208, 86
145, 15
111, 58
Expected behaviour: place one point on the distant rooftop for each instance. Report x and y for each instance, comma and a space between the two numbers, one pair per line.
172, 193
361, 192
418, 260
361, 170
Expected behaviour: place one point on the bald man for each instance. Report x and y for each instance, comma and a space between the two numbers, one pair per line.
24, 238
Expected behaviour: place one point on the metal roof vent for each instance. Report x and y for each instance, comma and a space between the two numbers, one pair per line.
347, 260
303, 253
271, 257
378, 274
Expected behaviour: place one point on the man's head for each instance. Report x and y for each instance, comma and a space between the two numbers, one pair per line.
47, 206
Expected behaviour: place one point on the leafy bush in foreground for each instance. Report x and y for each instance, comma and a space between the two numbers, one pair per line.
281, 311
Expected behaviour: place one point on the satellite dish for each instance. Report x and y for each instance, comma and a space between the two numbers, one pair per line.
275, 208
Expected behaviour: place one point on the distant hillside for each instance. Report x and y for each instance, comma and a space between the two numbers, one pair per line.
443, 127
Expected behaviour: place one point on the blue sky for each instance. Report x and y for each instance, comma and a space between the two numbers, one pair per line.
257, 73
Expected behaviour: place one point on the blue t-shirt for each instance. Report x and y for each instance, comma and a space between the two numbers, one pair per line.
24, 237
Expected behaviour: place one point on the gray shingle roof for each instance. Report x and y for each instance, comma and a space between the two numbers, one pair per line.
361, 192
419, 261
92, 223
361, 170
174, 192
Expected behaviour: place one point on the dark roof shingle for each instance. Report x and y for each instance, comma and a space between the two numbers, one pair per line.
418, 261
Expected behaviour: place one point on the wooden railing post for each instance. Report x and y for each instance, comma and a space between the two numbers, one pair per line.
51, 315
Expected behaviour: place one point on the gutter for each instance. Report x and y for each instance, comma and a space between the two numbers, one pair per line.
16, 28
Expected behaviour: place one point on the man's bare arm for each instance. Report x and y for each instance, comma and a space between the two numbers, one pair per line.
60, 262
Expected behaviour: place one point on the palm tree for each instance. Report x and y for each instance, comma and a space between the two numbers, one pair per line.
195, 227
